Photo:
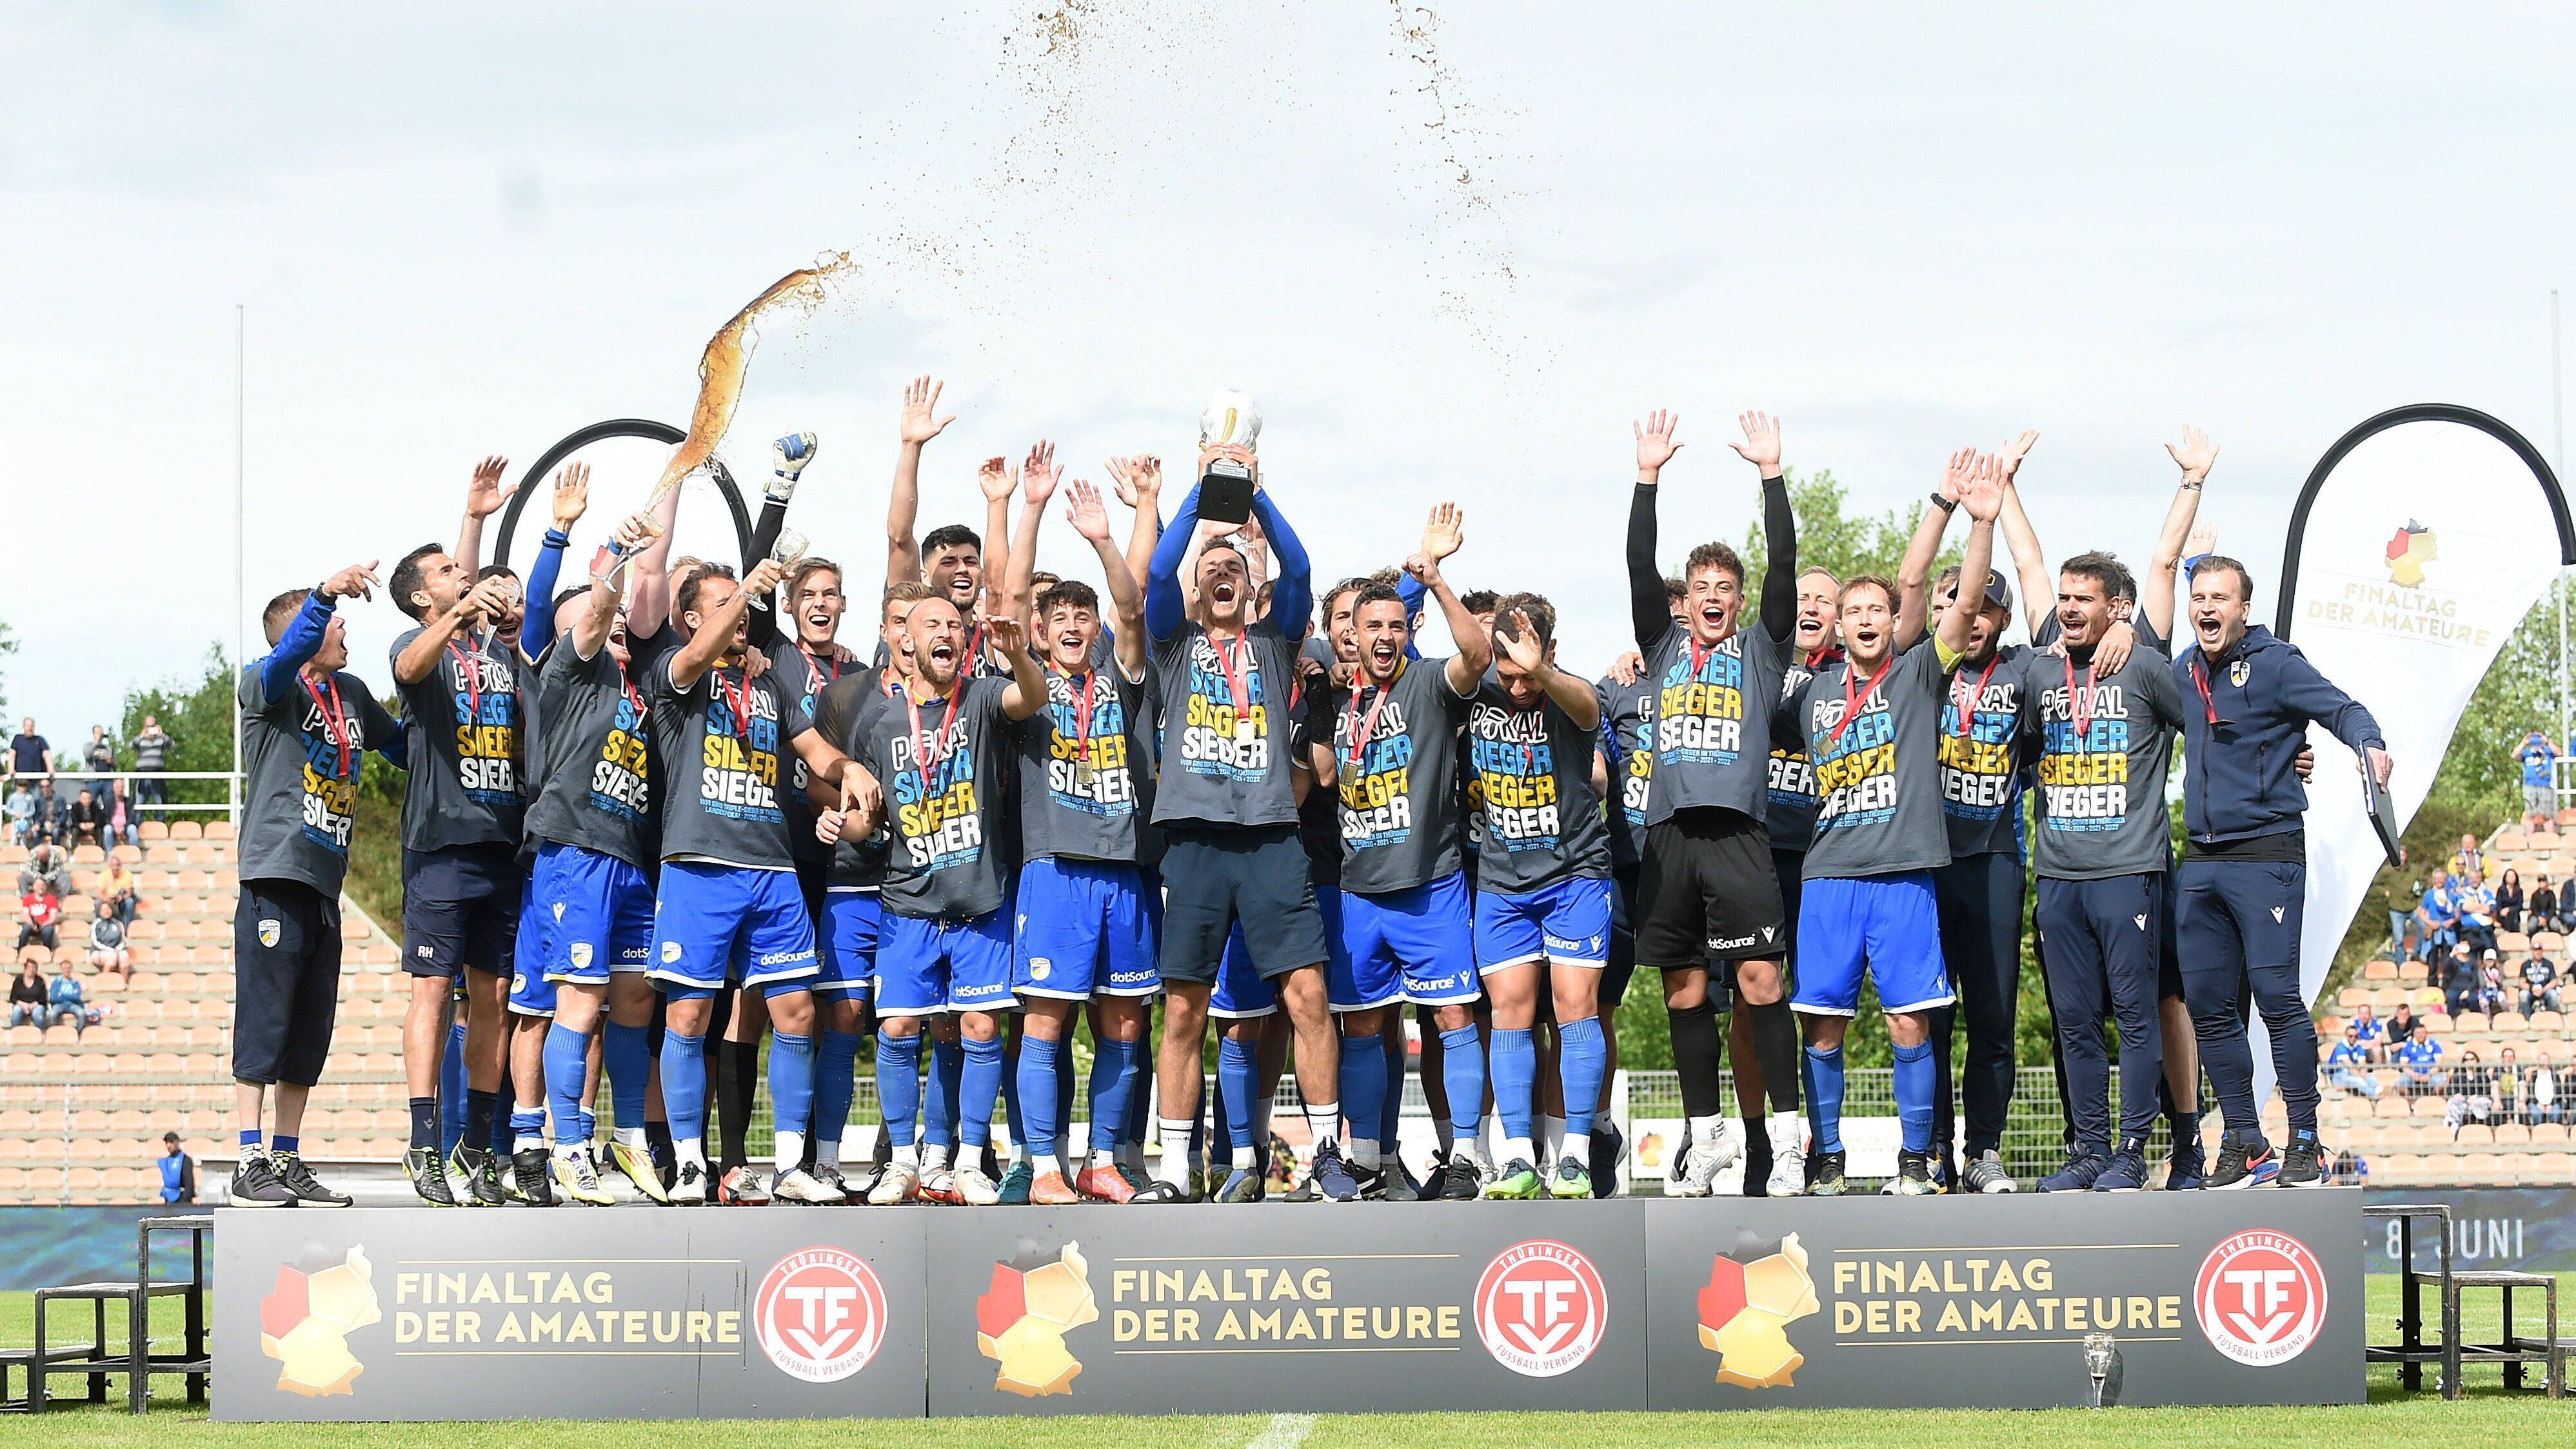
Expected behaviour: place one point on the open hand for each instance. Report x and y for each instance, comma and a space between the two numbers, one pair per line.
1982, 492
1523, 648
2194, 453
1083, 510
1138, 479
1004, 634
1445, 531
1040, 474
485, 495
1761, 445
1954, 476
1627, 669
1655, 445
572, 495
920, 406
997, 478
2012, 452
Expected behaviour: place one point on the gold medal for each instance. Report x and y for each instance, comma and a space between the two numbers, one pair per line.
1243, 729
1085, 776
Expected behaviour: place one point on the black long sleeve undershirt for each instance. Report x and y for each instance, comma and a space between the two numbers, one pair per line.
1647, 609
765, 633
1650, 615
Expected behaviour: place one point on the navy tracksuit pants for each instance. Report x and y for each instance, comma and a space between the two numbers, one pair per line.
1980, 901
2240, 923
2103, 954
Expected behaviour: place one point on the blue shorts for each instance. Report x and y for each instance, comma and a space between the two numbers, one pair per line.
849, 942
1888, 922
721, 925
925, 967
1082, 927
1568, 921
1241, 991
592, 912
1414, 945
531, 993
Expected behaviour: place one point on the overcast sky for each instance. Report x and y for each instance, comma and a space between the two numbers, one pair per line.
1453, 265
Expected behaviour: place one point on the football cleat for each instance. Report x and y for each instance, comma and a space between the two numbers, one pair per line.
1372, 1181
429, 1177
1712, 1148
796, 1184
1914, 1175
256, 1184
2079, 1173
1049, 1189
1156, 1192
742, 1187
2185, 1172
1571, 1180
636, 1163
479, 1173
1828, 1179
298, 1176
1242, 1185
1609, 1147
1785, 1133
1463, 1179
578, 1176
974, 1189
2246, 1161
1986, 1174
939, 1185
532, 1177
1400, 1186
836, 1185
1018, 1184
2303, 1164
689, 1187
1516, 1182
899, 1183
1330, 1176
1103, 1183
2127, 1170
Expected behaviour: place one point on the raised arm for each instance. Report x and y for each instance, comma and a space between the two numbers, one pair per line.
420, 656
572, 499
1466, 668
484, 497
1021, 559
1516, 639
1982, 496
691, 661
1647, 611
1914, 575
1026, 694
2038, 591
1292, 595
1139, 481
303, 636
998, 480
920, 423
2194, 455
599, 607
1166, 608
650, 579
1761, 447
1083, 510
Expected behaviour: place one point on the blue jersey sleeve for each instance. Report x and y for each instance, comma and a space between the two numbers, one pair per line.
297, 646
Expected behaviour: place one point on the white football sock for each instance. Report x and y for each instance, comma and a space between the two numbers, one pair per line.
1578, 1145
791, 1152
1324, 1120
934, 1156
827, 1153
1049, 1162
1363, 1152
1551, 1131
909, 1156
634, 1137
1518, 1149
686, 1150
1173, 1166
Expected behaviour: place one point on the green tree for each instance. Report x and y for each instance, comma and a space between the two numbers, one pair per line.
8, 646
198, 714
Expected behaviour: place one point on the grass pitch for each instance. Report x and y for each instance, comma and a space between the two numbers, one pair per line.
2490, 1416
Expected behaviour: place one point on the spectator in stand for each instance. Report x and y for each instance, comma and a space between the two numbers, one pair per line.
99, 758
2541, 1101
40, 916
116, 888
178, 1172
2412, 946
124, 818
27, 996
2493, 995
2506, 1086
2476, 905
2349, 1065
22, 813
2467, 864
86, 822
68, 1001
2440, 919
151, 757
2472, 1090
28, 752
2419, 1061
2544, 912
48, 866
49, 811
2539, 985
2509, 900
2374, 1035
107, 950
2459, 979
2539, 793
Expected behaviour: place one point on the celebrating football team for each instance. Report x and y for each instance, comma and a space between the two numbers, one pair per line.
658, 812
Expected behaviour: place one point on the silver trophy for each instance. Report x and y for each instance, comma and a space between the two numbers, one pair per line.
2103, 1364
789, 551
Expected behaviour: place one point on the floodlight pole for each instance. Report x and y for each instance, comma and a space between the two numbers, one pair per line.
233, 791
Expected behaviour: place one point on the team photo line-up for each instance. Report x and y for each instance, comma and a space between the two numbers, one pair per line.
659, 810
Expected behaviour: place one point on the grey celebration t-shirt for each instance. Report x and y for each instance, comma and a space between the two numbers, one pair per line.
1878, 784
468, 727
1395, 752
841, 716
596, 768
806, 674
1628, 742
943, 772
1080, 788
301, 755
1980, 785
721, 740
1534, 766
2103, 746
1225, 755
1793, 775
1713, 722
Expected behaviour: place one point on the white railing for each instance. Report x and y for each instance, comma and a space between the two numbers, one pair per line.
68, 784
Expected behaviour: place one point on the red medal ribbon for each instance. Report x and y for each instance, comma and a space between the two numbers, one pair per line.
1237, 670
335, 723
816, 665
739, 704
927, 750
1852, 702
1967, 705
2200, 676
1080, 687
2080, 704
1361, 729
473, 683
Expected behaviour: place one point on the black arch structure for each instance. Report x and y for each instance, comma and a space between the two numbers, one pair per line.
2395, 417
644, 428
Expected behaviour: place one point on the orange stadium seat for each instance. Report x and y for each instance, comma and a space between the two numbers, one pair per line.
2353, 998
2481, 1167
2379, 971
88, 855
155, 830
219, 830
2475, 1134
2511, 840
186, 830
2509, 942
13, 855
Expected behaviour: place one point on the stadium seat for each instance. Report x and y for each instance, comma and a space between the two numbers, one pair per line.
2508, 1022
2439, 1023
2512, 942
2469, 1023
2412, 973
2511, 840
2512, 1134
2481, 1167
2386, 999
2475, 1134
187, 830
2548, 1022
2432, 1107
2353, 998
2379, 971
13, 855
219, 830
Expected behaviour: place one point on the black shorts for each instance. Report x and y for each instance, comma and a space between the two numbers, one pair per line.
1213, 879
1622, 964
286, 981
461, 908
1706, 892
